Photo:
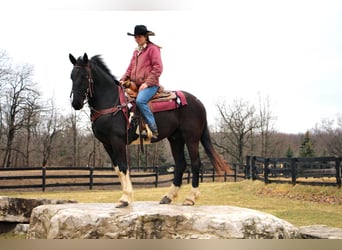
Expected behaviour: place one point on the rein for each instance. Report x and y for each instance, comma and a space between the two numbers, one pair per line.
122, 106
113, 110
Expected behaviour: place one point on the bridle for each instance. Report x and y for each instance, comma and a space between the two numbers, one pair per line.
90, 90
89, 94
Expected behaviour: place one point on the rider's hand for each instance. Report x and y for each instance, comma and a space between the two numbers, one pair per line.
143, 86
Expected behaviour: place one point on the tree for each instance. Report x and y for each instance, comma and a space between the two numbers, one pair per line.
18, 91
50, 126
289, 152
238, 121
307, 146
4, 74
30, 123
329, 136
266, 127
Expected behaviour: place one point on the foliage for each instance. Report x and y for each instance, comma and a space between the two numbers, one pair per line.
307, 146
289, 152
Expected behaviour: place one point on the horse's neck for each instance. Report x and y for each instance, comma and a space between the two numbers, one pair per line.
105, 92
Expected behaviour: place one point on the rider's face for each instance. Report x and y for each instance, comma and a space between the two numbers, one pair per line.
140, 39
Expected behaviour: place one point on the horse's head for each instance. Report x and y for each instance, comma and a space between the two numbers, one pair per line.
81, 80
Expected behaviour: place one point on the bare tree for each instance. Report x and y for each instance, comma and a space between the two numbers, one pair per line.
4, 66
18, 89
31, 121
4, 75
266, 127
238, 121
50, 126
328, 136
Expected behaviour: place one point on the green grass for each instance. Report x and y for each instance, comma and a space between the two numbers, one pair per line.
300, 205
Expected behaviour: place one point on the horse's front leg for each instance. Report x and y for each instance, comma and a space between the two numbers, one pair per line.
119, 159
127, 188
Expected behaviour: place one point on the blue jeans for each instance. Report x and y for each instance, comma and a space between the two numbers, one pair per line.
142, 99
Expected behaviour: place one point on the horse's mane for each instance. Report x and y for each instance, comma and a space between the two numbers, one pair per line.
97, 59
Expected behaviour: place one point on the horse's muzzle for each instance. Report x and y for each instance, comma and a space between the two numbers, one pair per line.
76, 103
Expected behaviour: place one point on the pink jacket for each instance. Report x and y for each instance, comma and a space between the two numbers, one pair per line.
146, 67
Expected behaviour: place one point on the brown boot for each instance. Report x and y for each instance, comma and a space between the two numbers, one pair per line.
154, 136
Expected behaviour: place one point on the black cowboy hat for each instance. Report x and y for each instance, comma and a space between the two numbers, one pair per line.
141, 30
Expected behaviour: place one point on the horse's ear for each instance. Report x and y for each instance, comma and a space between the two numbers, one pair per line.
85, 58
72, 59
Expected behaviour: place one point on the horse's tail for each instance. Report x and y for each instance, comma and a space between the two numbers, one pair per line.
219, 165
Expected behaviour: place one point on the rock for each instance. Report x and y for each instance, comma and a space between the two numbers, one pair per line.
320, 232
149, 220
21, 228
19, 209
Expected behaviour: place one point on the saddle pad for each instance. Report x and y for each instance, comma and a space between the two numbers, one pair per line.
175, 103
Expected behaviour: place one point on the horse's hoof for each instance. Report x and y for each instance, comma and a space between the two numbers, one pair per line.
121, 204
188, 202
165, 200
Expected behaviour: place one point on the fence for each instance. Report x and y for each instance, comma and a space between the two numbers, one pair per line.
295, 170
269, 170
52, 177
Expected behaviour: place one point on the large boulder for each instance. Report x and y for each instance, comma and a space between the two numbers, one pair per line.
149, 220
320, 232
17, 210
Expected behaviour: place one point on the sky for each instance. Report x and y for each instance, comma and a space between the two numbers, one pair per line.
289, 51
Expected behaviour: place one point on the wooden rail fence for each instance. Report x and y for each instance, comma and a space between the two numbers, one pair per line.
51, 177
310, 171
295, 170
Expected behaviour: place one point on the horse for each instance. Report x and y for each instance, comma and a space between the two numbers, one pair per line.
93, 82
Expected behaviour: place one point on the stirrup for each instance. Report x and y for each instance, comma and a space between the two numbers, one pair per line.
154, 136
144, 134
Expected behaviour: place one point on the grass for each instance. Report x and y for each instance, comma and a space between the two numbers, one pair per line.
300, 205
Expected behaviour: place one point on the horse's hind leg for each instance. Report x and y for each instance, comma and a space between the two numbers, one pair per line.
195, 169
177, 148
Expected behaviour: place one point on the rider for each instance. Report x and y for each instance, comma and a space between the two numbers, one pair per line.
144, 70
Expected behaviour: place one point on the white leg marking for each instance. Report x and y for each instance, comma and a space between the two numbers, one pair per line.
126, 186
191, 198
173, 192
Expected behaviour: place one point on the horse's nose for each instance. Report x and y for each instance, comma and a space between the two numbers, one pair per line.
77, 106
75, 103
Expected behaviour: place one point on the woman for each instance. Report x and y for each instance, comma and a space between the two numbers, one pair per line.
144, 70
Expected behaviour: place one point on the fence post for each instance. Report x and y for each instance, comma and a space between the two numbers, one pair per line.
201, 175
266, 170
248, 168
188, 176
91, 177
293, 171
43, 178
235, 171
213, 174
156, 169
338, 171
225, 176
253, 168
